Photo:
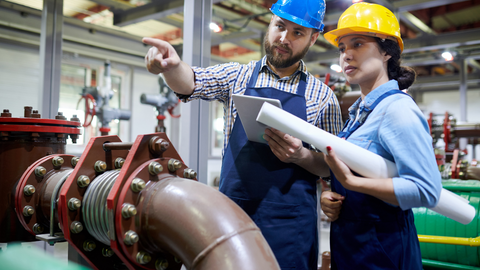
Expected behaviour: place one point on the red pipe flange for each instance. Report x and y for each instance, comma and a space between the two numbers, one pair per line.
145, 148
33, 192
93, 162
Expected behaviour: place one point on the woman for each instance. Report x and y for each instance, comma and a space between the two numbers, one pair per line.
373, 225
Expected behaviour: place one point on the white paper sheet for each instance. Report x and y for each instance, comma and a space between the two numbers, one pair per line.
357, 158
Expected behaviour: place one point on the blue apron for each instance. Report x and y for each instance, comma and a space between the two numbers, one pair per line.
377, 235
279, 197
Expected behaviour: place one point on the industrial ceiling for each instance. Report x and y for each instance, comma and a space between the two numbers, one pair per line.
428, 27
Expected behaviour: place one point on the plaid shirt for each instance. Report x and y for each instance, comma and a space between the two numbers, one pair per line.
219, 82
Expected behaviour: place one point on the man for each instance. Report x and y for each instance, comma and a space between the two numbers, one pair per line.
276, 183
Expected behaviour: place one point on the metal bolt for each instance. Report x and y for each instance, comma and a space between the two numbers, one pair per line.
74, 161
158, 145
131, 238
119, 162
128, 210
83, 181
76, 227
100, 166
137, 185
37, 228
174, 165
143, 257
161, 264
60, 116
189, 173
107, 252
40, 171
74, 204
29, 190
89, 245
155, 168
28, 211
57, 161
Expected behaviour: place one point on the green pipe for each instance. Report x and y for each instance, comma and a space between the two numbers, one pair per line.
462, 188
445, 265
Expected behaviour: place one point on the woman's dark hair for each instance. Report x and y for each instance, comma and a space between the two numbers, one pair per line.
404, 75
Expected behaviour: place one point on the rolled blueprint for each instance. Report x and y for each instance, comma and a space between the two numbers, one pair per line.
358, 159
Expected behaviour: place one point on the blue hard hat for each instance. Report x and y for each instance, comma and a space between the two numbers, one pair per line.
307, 13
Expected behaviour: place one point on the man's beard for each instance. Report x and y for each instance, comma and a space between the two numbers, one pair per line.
276, 60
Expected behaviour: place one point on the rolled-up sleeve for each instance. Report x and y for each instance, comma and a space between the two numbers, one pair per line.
404, 132
213, 83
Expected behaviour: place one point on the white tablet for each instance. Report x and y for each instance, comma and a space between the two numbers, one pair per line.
247, 109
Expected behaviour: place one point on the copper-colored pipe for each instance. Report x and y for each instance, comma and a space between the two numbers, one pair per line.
202, 227
117, 146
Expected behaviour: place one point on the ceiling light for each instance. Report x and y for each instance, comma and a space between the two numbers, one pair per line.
215, 27
448, 56
336, 68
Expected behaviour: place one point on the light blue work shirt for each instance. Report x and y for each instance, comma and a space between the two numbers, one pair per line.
398, 131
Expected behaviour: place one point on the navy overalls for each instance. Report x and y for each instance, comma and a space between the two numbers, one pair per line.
369, 233
279, 197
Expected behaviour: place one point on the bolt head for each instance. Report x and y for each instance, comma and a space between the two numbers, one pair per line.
40, 171
76, 227
130, 238
161, 264
100, 166
29, 190
37, 228
57, 161
137, 185
128, 210
107, 252
143, 257
89, 245
28, 211
74, 161
74, 204
83, 181
119, 163
154, 168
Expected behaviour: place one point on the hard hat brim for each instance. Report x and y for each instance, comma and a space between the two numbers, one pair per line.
334, 36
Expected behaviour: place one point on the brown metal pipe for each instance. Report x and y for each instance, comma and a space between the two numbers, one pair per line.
117, 146
202, 227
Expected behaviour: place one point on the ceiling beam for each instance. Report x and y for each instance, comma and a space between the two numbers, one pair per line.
410, 5
152, 11
422, 43
415, 23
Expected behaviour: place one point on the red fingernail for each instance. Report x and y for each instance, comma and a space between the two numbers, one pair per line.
329, 148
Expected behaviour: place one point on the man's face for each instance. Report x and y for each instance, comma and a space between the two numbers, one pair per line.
287, 42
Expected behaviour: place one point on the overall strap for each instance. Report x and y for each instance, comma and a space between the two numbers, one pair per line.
302, 85
365, 112
253, 78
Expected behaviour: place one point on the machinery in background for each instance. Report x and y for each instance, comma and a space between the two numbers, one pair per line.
446, 142
166, 100
22, 142
97, 103
120, 205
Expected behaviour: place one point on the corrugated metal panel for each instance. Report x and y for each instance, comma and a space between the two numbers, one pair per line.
19, 78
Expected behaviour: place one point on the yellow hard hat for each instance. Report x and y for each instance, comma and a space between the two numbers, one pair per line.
366, 19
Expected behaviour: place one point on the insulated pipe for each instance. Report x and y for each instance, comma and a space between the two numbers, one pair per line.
462, 241
445, 265
202, 227
360, 160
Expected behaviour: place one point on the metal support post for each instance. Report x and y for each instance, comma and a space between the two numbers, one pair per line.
51, 55
196, 52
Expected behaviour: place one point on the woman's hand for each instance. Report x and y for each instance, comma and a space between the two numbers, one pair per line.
341, 171
331, 204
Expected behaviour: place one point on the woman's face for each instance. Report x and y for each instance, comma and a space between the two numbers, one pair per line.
362, 62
